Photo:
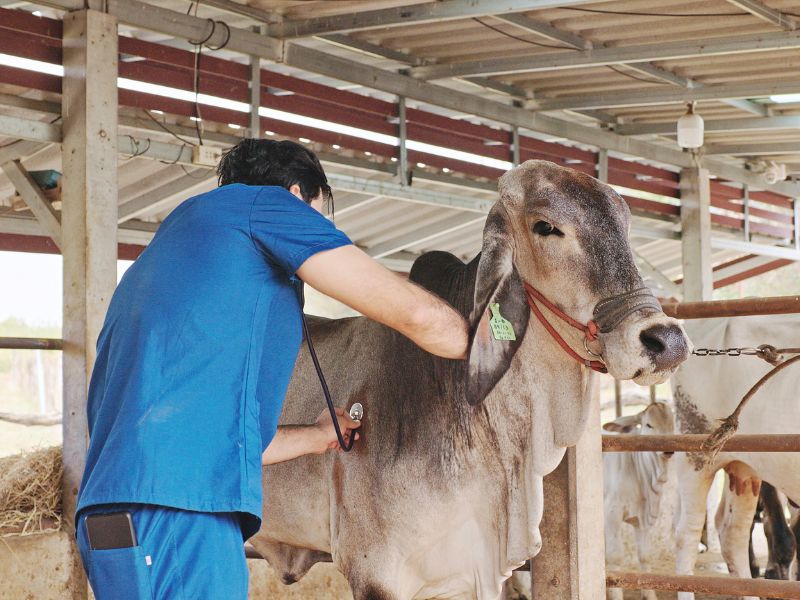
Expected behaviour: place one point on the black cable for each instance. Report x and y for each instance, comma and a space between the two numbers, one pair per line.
227, 37
177, 158
346, 446
168, 130
135, 144
652, 14
512, 36
521, 39
196, 85
613, 68
188, 174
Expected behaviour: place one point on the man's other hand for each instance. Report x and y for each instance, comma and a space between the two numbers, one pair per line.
328, 439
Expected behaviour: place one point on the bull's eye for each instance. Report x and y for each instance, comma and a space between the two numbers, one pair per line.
545, 228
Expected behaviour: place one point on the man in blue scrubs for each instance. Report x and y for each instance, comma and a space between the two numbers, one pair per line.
192, 367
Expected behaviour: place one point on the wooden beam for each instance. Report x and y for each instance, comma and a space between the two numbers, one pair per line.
409, 14
766, 13
535, 63
35, 199
89, 214
571, 564
698, 279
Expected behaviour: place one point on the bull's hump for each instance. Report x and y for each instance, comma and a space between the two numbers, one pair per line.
447, 276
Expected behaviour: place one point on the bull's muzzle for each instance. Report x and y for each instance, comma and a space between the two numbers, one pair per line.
665, 344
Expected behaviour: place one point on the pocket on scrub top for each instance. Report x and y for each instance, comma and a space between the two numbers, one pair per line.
120, 574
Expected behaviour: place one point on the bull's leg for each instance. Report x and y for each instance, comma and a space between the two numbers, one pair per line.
644, 551
734, 520
713, 498
780, 538
615, 551
694, 486
796, 532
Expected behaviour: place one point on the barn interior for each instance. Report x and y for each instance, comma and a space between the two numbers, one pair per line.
113, 112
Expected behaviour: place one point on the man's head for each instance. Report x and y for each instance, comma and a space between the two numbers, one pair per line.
282, 163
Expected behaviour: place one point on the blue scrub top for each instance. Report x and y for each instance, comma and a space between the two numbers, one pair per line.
196, 353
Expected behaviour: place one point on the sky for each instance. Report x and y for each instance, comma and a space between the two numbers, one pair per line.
31, 288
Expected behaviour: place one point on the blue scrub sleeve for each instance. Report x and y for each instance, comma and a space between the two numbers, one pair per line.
288, 231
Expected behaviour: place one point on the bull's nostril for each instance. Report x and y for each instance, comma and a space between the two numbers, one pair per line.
651, 341
665, 344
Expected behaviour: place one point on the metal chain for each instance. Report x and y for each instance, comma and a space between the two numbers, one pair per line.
769, 353
726, 351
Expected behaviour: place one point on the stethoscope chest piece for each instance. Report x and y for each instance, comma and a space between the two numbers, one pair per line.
356, 411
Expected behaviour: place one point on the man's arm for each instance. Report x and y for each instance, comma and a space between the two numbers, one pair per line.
350, 276
291, 441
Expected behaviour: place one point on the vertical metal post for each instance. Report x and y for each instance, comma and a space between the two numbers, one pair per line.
617, 398
403, 174
698, 281
746, 206
515, 150
255, 92
796, 222
89, 225
571, 564
602, 165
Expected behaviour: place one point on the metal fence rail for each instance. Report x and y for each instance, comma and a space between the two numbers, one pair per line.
19, 343
765, 588
776, 305
690, 442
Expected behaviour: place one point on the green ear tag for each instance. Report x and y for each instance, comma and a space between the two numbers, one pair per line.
502, 329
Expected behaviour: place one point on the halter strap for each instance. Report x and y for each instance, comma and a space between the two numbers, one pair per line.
590, 330
608, 314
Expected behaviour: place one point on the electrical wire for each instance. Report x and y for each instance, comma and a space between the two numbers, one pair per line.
616, 70
168, 130
136, 150
188, 174
629, 13
512, 36
521, 39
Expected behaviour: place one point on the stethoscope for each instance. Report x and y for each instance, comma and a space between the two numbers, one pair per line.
356, 410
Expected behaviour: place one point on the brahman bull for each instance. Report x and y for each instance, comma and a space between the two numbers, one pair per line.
442, 497
633, 485
706, 389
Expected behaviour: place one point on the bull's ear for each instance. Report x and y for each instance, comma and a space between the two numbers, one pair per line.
500, 311
623, 424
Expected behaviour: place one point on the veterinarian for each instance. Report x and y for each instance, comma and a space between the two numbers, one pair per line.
193, 363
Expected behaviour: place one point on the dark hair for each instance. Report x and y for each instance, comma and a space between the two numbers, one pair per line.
274, 162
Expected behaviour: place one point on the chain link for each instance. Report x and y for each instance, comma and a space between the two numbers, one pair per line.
727, 351
769, 353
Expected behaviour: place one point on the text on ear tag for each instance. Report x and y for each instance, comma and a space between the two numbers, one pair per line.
502, 329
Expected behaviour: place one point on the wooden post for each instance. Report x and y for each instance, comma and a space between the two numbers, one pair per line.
698, 280
255, 92
617, 398
571, 564
602, 165
89, 225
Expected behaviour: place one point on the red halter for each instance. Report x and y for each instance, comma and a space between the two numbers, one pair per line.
590, 330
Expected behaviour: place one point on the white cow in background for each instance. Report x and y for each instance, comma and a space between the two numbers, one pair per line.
633, 487
706, 389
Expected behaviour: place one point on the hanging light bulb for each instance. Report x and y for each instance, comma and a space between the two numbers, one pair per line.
690, 129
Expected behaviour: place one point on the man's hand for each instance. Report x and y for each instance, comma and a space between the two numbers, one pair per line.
328, 439
291, 441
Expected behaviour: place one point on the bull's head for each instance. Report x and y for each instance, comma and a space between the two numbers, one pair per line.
566, 234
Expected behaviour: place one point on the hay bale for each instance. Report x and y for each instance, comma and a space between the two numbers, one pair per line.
30, 492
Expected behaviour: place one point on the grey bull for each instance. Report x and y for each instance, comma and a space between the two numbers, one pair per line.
442, 496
